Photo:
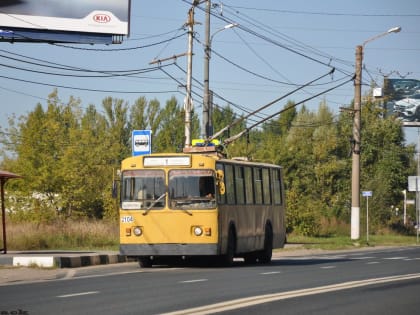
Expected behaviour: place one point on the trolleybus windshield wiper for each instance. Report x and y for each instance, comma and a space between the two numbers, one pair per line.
186, 211
154, 203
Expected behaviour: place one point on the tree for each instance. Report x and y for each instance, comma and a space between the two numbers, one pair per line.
88, 178
44, 137
171, 134
283, 123
118, 137
385, 161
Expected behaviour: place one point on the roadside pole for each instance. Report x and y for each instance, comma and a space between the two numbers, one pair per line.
367, 194
414, 185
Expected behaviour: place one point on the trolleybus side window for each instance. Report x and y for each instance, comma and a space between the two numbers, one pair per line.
239, 184
277, 186
266, 186
230, 186
249, 193
258, 185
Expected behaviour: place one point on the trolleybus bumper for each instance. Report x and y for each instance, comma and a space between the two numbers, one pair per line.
168, 249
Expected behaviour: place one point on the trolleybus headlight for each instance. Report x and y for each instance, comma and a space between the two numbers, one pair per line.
198, 231
137, 231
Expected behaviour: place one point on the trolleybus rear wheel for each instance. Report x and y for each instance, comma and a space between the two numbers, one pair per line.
265, 255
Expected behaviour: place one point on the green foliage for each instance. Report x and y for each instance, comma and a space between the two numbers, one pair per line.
69, 154
314, 151
171, 134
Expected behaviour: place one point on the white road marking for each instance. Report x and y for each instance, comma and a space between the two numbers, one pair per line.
254, 300
372, 262
395, 258
270, 273
77, 294
328, 267
193, 281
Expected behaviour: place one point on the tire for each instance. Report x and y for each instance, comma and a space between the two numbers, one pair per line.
145, 262
227, 259
250, 259
266, 254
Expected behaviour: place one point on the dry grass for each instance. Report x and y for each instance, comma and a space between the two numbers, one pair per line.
103, 235
63, 235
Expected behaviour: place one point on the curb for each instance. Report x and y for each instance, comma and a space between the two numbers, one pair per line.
71, 260
91, 260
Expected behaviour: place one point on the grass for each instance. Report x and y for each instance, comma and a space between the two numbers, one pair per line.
63, 235
345, 242
104, 235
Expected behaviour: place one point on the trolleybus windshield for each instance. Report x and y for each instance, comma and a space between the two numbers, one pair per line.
192, 189
143, 189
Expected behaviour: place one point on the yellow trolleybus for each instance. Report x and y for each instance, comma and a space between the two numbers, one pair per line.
177, 206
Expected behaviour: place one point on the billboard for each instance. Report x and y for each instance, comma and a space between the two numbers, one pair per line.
81, 16
402, 98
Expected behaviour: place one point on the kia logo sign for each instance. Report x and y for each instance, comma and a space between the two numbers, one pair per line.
102, 18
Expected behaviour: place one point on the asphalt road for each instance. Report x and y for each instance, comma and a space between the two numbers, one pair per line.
369, 282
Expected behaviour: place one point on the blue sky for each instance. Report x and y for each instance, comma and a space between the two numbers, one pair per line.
277, 46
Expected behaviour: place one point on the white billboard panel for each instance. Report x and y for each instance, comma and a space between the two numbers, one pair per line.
403, 100
83, 16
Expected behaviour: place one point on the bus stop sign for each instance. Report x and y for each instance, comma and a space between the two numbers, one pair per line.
142, 142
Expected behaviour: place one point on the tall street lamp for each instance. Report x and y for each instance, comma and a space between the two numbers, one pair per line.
355, 178
207, 128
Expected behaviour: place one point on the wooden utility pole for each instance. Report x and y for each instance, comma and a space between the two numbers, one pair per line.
188, 104
206, 129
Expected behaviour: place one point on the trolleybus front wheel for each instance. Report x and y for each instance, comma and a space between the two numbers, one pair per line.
145, 262
227, 259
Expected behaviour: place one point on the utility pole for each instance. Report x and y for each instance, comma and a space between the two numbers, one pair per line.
206, 129
355, 178
188, 104
207, 121
355, 175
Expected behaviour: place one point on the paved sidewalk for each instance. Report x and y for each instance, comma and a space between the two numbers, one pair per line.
30, 266
10, 274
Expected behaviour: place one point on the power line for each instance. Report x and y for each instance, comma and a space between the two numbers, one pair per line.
53, 65
233, 138
268, 105
120, 49
86, 89
324, 13
103, 75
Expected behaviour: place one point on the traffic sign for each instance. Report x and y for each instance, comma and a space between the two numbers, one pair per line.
142, 142
366, 193
413, 183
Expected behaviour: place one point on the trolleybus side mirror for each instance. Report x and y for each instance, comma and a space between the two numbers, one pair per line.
114, 189
220, 181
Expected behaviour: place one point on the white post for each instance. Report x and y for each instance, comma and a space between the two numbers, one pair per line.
367, 219
405, 206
